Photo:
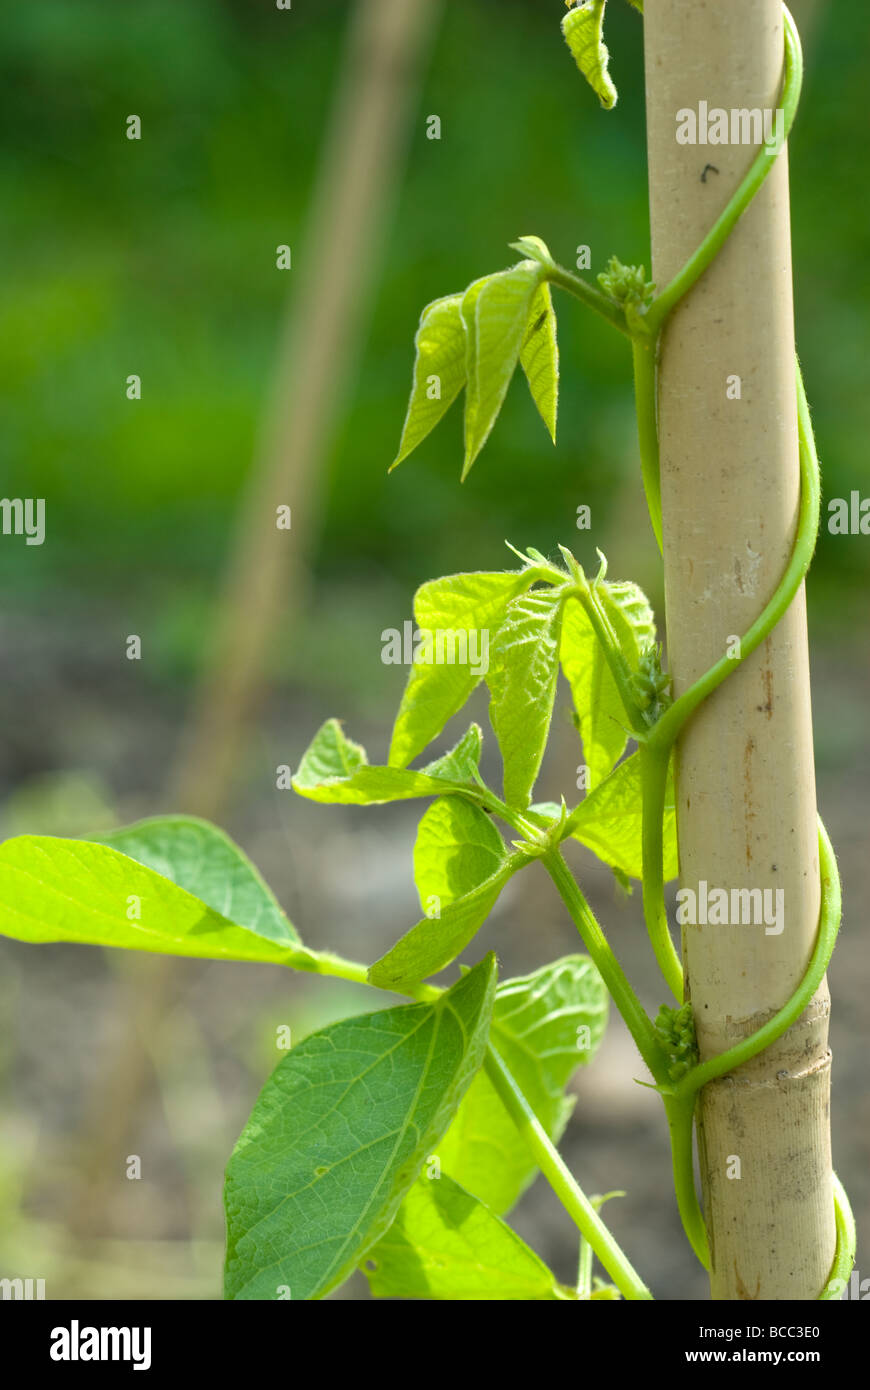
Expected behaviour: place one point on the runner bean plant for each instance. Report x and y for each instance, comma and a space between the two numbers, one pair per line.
397, 1141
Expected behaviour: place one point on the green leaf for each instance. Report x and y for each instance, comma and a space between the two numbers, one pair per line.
582, 27
75, 890
532, 248
435, 692
462, 761
338, 1135
599, 710
545, 1025
496, 313
631, 617
539, 357
336, 770
203, 860
522, 682
436, 941
445, 1245
440, 353
457, 848
609, 821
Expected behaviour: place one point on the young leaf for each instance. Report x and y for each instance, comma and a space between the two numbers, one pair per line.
631, 617
338, 1135
609, 821
75, 890
599, 710
445, 1245
582, 27
545, 1026
336, 770
436, 941
439, 371
539, 357
460, 603
496, 314
532, 248
457, 848
460, 763
522, 682
203, 860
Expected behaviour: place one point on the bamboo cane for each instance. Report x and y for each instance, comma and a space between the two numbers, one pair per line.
745, 777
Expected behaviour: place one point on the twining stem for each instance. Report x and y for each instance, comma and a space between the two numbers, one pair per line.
680, 1116
680, 1097
847, 1240
671, 722
782, 1020
645, 328
644, 351
745, 192
578, 1206
654, 763
541, 1147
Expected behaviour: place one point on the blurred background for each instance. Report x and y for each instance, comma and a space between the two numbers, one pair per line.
156, 257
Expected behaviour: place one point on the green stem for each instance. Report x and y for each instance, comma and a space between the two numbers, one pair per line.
336, 967
636, 1019
844, 1257
671, 722
680, 1116
829, 924
644, 352
654, 764
578, 1206
746, 191
590, 296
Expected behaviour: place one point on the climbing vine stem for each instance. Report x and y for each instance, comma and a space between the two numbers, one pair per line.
644, 324
680, 1096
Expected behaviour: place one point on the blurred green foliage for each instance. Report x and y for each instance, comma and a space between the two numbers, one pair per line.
158, 257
